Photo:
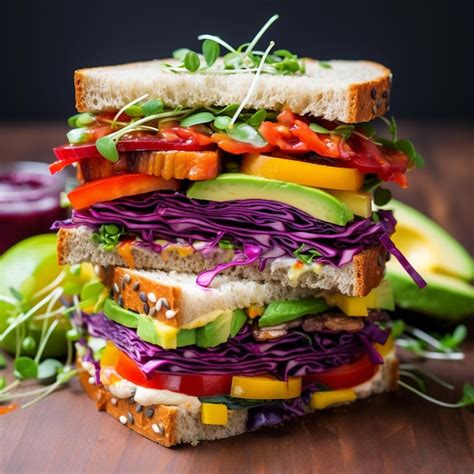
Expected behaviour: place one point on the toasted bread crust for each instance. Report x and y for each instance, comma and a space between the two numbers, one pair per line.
369, 268
172, 421
359, 101
366, 269
139, 288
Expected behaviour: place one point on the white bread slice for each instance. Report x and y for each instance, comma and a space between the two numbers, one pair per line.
357, 278
176, 424
348, 91
141, 290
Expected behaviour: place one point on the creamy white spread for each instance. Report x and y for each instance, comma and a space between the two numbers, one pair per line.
294, 268
150, 396
122, 389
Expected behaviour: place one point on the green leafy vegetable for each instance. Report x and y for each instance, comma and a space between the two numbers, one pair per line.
191, 61
77, 136
28, 344
211, 51
245, 58
222, 122
196, 119
107, 148
25, 368
306, 257
243, 132
152, 107
226, 244
108, 236
257, 118
48, 370
180, 53
345, 130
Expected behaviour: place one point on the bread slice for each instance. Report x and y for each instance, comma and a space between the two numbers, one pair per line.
357, 278
170, 425
348, 91
183, 301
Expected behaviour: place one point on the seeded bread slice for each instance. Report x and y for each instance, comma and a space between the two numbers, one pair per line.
176, 299
170, 425
357, 278
348, 91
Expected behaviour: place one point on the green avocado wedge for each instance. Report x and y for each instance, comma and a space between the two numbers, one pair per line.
115, 312
279, 312
427, 245
441, 260
444, 297
238, 186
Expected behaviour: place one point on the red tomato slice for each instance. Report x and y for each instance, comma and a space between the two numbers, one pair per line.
346, 375
235, 147
70, 154
195, 385
113, 187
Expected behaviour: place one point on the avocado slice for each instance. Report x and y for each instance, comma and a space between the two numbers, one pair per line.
217, 332
427, 245
120, 315
239, 318
238, 186
186, 337
278, 312
444, 297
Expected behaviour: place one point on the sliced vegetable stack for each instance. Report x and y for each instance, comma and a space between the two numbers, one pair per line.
230, 216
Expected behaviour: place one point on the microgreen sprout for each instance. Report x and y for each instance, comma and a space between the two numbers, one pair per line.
244, 58
28, 363
466, 400
307, 256
428, 345
108, 236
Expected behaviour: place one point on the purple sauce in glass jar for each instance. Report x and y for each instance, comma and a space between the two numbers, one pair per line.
29, 201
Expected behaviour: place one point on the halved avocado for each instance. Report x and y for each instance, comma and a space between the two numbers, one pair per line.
427, 245
440, 259
444, 297
238, 186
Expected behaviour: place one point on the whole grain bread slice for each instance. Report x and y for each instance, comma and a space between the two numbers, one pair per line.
347, 91
357, 278
170, 425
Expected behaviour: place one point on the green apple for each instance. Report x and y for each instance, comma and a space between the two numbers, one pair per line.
441, 260
27, 267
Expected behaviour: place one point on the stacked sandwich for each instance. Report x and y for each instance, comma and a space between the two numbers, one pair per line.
230, 217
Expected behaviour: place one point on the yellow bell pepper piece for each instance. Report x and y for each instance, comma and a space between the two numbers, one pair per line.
320, 400
358, 202
299, 172
214, 414
110, 355
385, 349
265, 388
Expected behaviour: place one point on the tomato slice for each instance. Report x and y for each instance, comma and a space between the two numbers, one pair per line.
113, 187
70, 154
195, 384
346, 375
235, 147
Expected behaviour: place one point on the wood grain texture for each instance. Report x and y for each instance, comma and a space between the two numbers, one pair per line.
390, 433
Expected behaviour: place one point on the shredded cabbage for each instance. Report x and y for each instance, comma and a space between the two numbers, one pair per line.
295, 354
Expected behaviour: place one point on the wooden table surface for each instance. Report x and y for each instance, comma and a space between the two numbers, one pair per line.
394, 432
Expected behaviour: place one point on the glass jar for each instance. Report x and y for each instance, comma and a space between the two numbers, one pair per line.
29, 201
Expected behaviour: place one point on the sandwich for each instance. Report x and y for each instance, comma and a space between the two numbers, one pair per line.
227, 203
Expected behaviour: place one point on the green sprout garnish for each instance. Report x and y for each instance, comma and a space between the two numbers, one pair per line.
108, 236
430, 346
307, 256
244, 58
49, 307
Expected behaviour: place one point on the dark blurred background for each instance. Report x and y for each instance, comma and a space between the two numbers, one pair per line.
428, 47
